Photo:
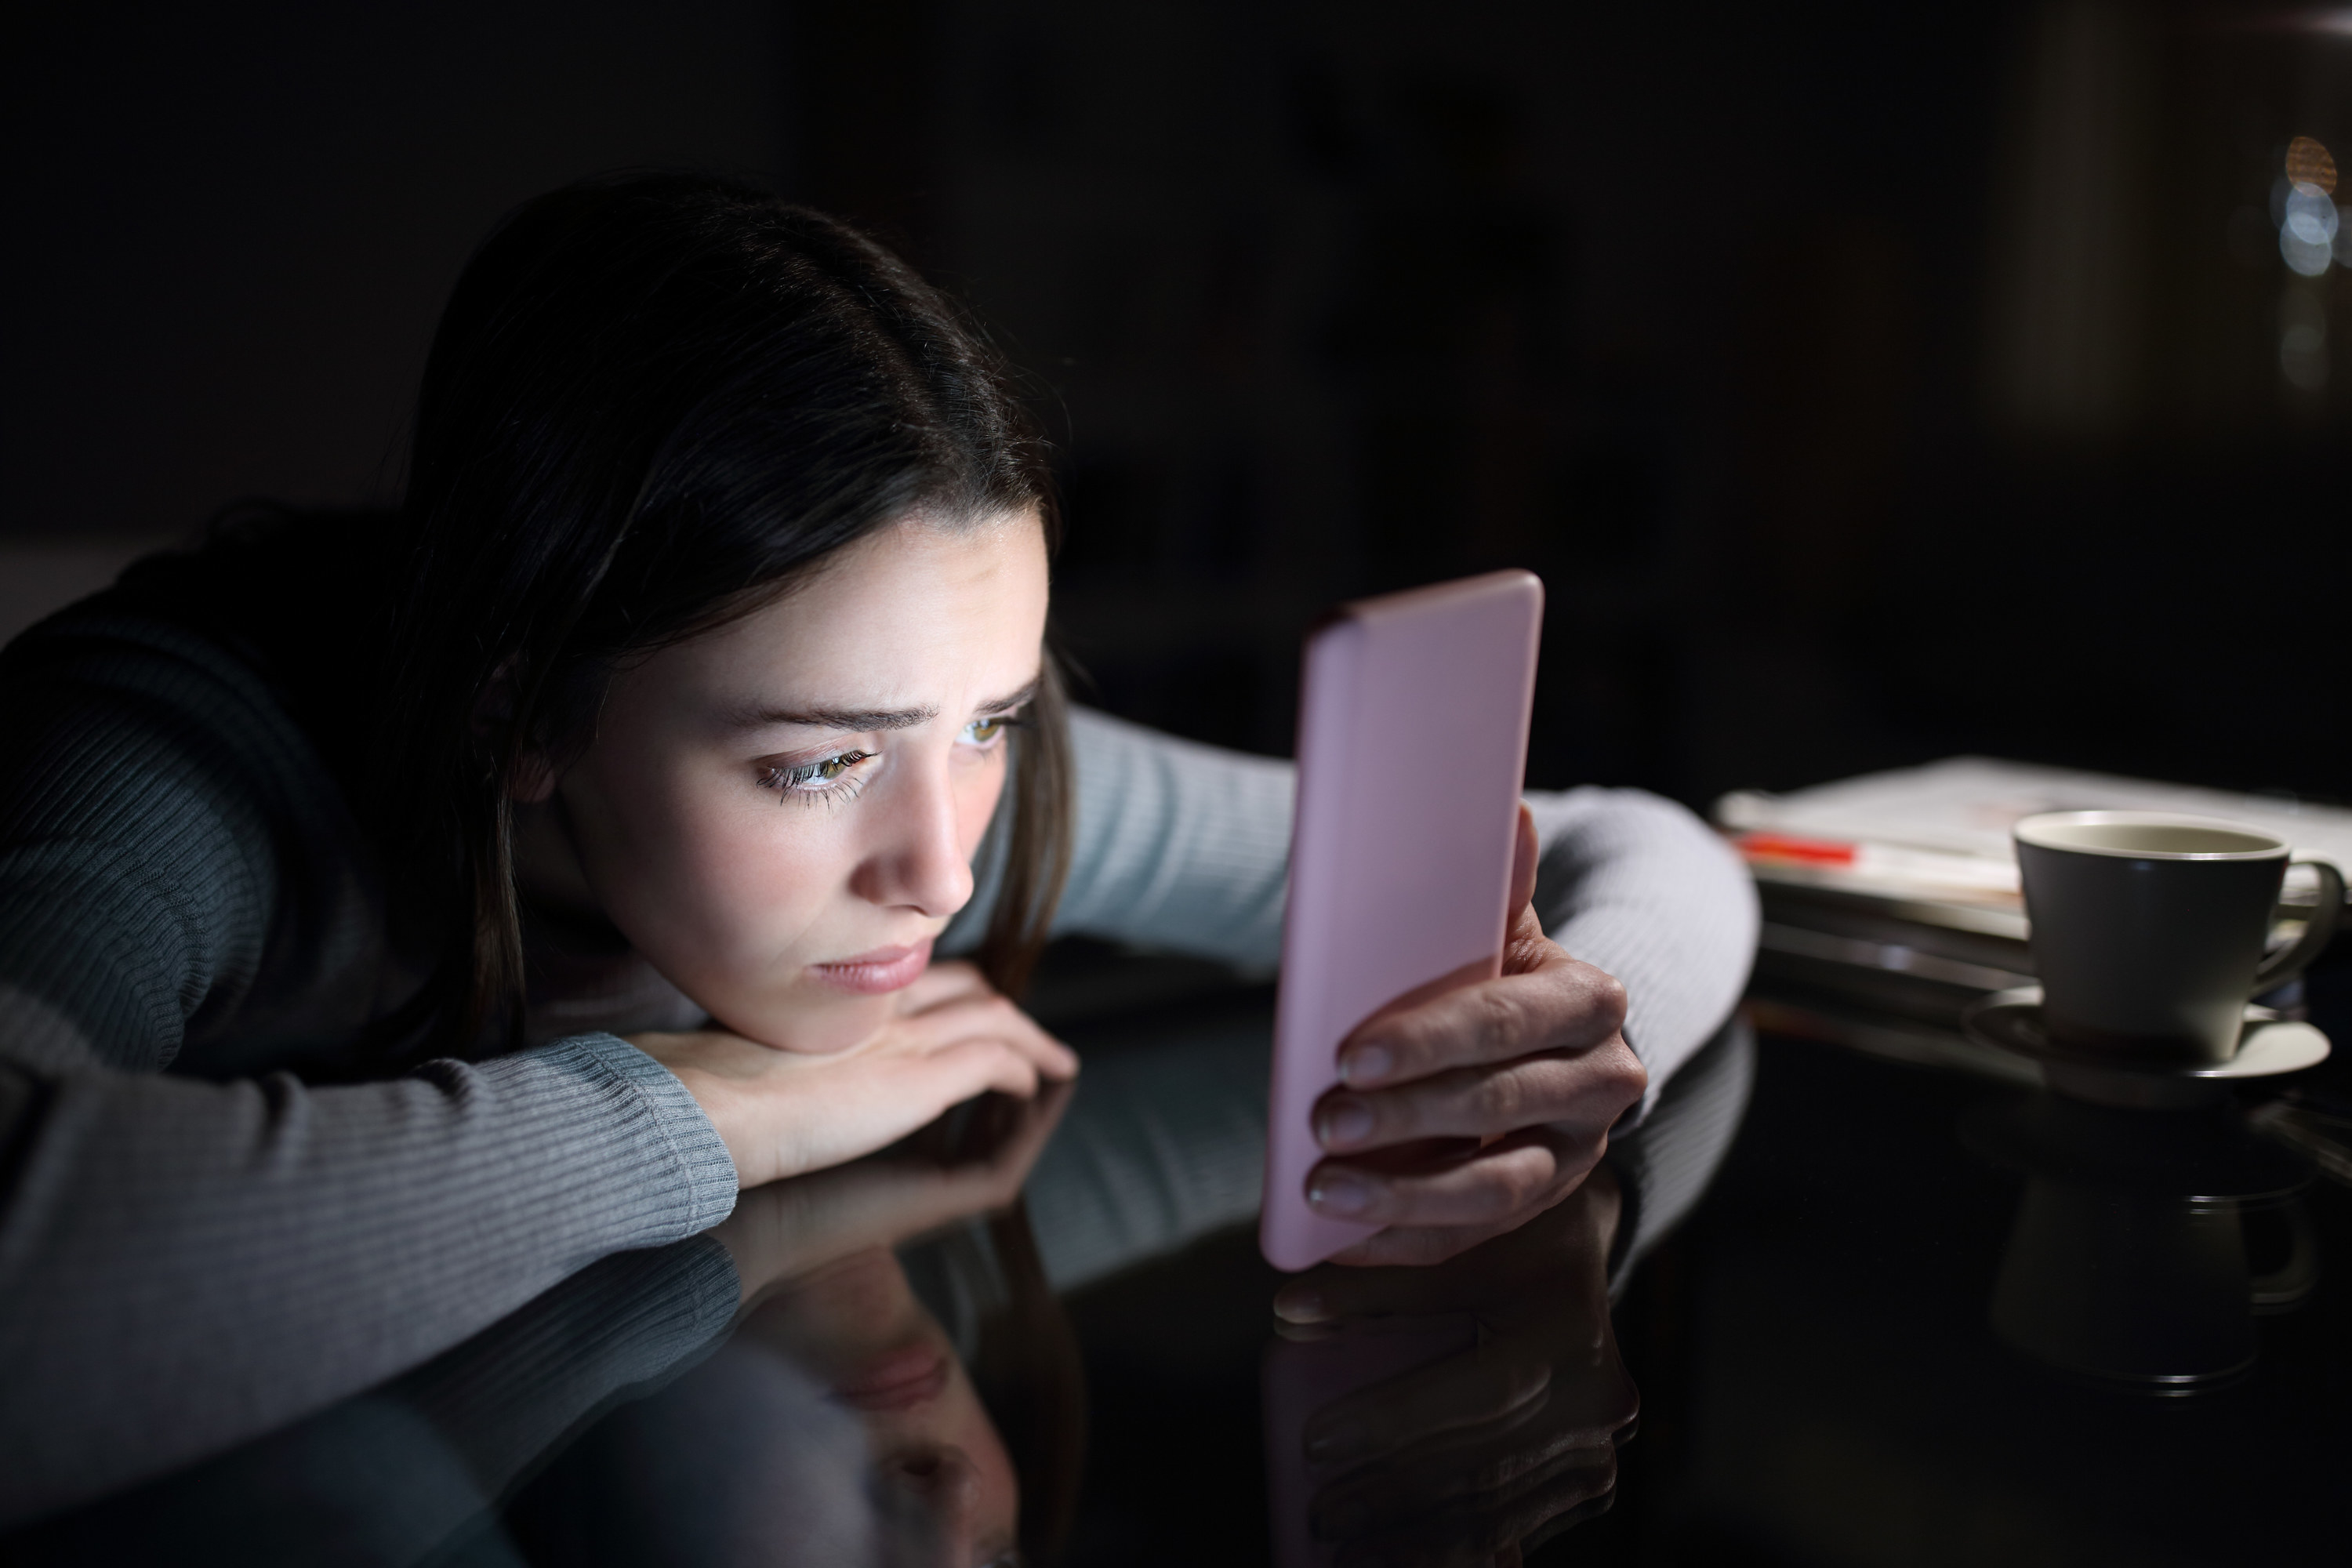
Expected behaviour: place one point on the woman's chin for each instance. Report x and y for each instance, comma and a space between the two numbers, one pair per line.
820, 1025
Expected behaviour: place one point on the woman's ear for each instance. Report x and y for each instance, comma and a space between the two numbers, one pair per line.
533, 779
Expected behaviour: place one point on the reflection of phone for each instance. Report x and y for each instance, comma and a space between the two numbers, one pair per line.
1299, 1378
1413, 744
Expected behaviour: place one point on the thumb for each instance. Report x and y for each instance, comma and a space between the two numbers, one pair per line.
1523, 862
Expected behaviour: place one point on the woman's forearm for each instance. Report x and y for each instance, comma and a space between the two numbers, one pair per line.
188, 1264
1637, 885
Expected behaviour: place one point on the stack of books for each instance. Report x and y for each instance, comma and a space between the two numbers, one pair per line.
1891, 900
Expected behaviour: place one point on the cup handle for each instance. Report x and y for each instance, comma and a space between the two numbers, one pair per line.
2284, 1288
2290, 960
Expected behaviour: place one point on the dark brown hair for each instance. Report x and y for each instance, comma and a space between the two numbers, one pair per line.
655, 403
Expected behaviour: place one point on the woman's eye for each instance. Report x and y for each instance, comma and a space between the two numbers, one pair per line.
986, 733
813, 778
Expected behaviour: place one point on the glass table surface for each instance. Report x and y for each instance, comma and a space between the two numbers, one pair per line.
1821, 1309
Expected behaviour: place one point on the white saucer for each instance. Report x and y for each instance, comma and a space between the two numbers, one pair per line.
2011, 1021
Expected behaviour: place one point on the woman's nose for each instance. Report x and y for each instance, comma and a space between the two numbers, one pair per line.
917, 858
942, 1486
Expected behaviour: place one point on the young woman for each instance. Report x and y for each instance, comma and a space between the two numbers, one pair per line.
395, 916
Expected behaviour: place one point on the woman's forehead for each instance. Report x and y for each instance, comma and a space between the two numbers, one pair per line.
908, 617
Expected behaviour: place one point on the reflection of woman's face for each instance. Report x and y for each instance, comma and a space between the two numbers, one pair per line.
857, 1328
781, 815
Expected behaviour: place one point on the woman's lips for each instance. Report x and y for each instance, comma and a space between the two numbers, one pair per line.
872, 974
899, 1381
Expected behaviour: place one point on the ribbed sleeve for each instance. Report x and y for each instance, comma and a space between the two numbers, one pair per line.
1638, 886
391, 1475
191, 1257
1666, 1165
189, 1264
159, 815
1178, 845
506, 1395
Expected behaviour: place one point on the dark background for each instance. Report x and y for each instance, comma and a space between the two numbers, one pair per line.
1868, 382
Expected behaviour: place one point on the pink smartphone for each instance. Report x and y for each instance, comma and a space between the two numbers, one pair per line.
1413, 746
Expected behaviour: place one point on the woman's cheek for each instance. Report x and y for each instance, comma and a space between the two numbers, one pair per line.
977, 798
759, 897
759, 885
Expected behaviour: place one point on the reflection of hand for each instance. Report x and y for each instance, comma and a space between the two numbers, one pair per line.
783, 1112
1469, 1457
1463, 1116
786, 1229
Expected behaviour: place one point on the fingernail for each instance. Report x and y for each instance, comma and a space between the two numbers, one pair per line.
1349, 1122
1366, 1064
1339, 1194
1301, 1304
1335, 1442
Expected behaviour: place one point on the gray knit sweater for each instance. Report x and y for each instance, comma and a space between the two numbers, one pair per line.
203, 1237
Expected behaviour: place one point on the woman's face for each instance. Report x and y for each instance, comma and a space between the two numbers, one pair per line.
857, 1328
780, 816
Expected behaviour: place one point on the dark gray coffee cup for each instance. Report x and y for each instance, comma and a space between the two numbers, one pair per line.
2148, 929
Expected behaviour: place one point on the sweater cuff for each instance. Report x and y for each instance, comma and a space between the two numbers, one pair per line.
701, 1153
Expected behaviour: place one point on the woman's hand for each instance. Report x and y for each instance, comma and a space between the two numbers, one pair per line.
1467, 1115
783, 1112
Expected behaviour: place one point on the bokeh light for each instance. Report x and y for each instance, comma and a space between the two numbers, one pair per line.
2307, 229
2308, 162
2310, 228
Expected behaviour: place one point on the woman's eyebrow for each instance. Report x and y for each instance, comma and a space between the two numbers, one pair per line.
857, 720
850, 718
1021, 698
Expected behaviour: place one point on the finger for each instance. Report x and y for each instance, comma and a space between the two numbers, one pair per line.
1466, 1390
994, 1065
1588, 1090
992, 1016
1507, 1181
1561, 1005
1579, 1224
1047, 1054
925, 1085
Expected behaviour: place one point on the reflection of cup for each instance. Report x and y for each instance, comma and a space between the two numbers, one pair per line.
2139, 1290
2148, 929
2146, 1242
